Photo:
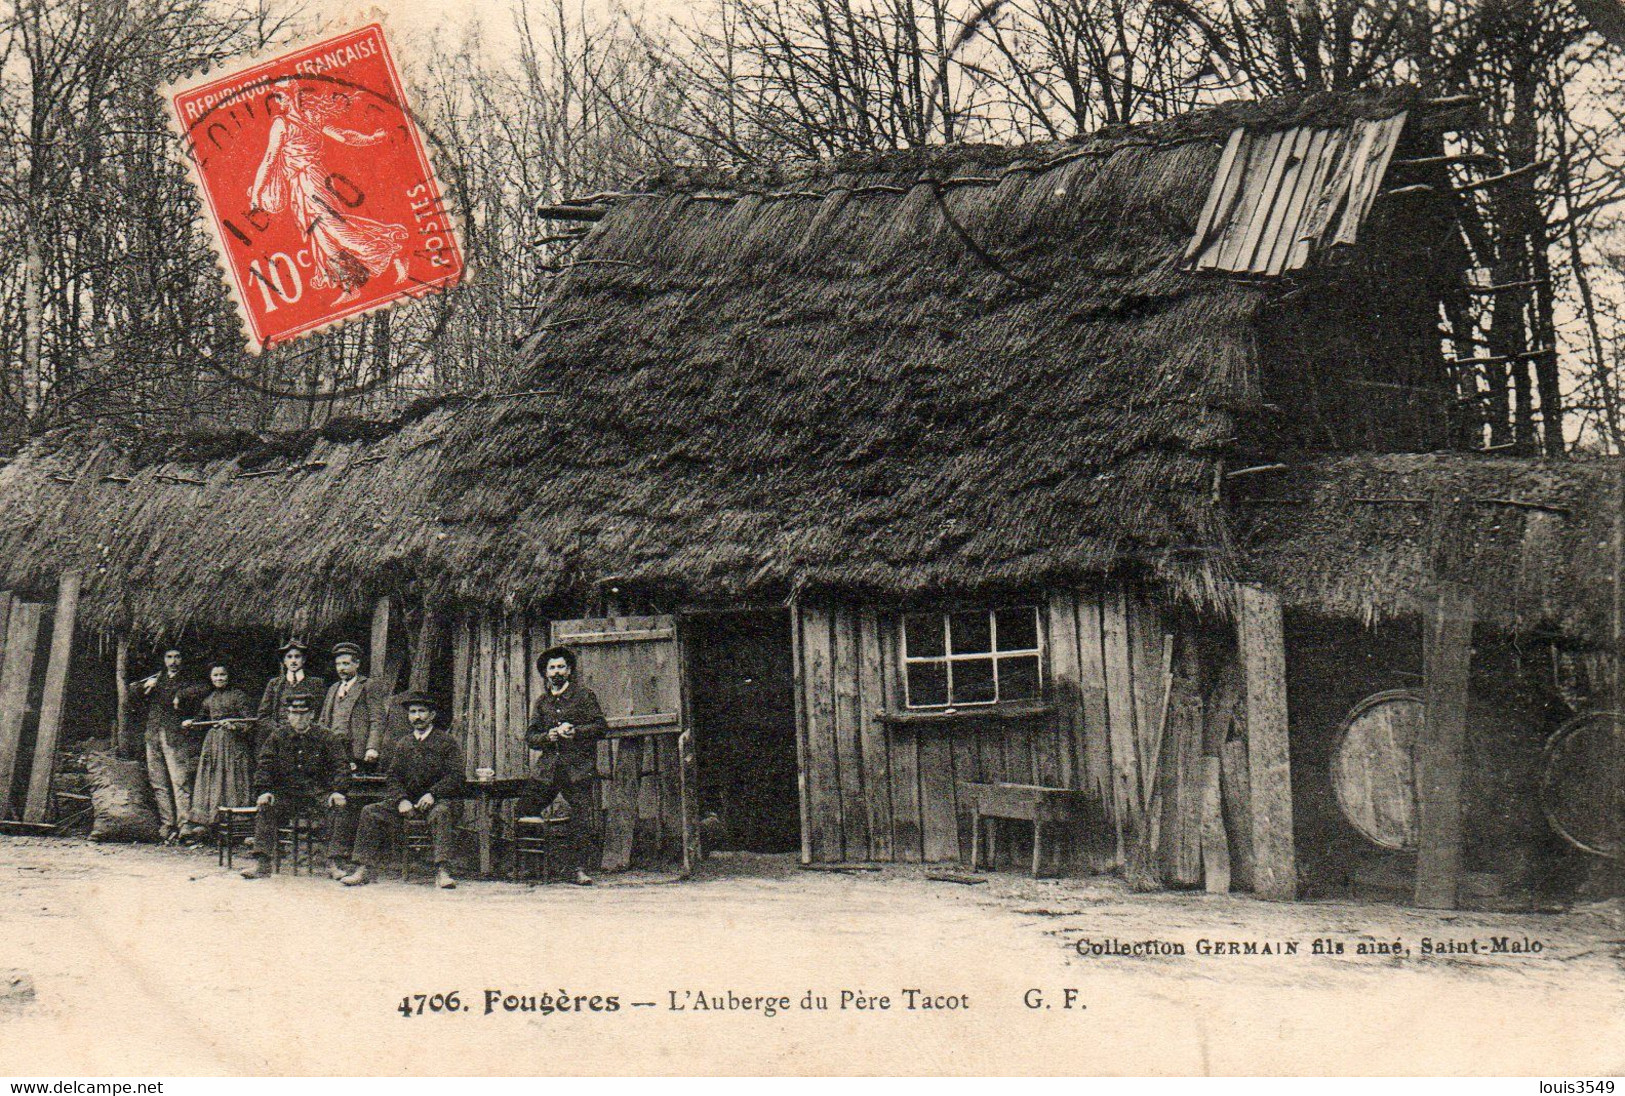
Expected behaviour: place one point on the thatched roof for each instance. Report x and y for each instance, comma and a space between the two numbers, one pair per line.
287, 532
925, 372
936, 372
1369, 537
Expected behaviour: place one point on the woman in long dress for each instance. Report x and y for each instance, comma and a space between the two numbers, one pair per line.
225, 768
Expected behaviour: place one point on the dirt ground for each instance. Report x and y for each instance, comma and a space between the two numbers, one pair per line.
156, 962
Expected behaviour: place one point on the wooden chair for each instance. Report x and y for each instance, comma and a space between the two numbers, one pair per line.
416, 840
535, 840
232, 826
300, 835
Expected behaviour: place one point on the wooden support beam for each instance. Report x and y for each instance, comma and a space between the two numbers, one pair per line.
431, 633
572, 212
1269, 764
55, 699
1503, 287
124, 743
22, 634
1505, 176
1215, 843
802, 759
1447, 650
5, 615
1478, 159
381, 664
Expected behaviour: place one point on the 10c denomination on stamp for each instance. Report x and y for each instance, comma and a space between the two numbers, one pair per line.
317, 186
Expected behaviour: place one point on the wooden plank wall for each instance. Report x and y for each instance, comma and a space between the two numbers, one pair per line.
879, 788
43, 772
22, 640
494, 684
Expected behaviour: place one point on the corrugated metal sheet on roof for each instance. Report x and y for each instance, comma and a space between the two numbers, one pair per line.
1279, 198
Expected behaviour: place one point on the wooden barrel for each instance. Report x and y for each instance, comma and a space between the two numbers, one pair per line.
1577, 791
1373, 768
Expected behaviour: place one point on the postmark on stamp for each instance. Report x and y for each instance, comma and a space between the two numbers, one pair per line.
317, 186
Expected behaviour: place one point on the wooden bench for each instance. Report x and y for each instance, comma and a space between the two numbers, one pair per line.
1033, 803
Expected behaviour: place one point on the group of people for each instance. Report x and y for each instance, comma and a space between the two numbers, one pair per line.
299, 751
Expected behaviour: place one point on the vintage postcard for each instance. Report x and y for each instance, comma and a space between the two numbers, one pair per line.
1034, 538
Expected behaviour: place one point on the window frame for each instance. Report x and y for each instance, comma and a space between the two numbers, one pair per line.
992, 654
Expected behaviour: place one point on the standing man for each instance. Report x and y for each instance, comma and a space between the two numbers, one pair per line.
171, 752
566, 725
301, 769
293, 676
425, 772
355, 707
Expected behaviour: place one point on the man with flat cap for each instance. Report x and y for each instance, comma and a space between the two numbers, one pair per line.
301, 769
425, 772
565, 727
293, 676
355, 707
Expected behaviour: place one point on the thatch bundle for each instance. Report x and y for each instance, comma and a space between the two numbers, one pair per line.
288, 532
933, 374
1370, 536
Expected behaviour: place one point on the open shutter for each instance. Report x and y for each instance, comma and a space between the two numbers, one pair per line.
632, 665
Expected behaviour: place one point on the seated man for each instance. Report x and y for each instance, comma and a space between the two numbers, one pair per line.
301, 768
425, 771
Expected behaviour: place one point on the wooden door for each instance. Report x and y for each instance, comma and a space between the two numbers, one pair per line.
631, 664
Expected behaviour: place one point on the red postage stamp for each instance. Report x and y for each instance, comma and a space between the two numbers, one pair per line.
317, 185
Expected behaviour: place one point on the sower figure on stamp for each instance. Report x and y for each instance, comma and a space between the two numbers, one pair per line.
566, 725
302, 768
171, 752
292, 676
346, 250
425, 772
355, 707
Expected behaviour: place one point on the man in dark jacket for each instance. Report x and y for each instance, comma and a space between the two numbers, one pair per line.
292, 677
355, 707
566, 725
171, 749
425, 773
301, 768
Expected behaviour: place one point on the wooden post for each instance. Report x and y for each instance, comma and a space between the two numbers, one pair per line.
380, 665
1611, 873
5, 615
1447, 649
688, 773
56, 695
1215, 845
802, 791
423, 650
1119, 678
123, 739
22, 633
1269, 763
